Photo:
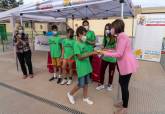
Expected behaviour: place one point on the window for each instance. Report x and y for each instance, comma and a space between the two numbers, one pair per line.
41, 27
27, 25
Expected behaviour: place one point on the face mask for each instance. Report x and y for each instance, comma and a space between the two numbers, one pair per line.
107, 32
84, 38
20, 31
71, 36
54, 32
86, 27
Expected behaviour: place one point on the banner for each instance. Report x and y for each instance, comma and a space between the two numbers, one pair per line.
72, 2
150, 32
41, 43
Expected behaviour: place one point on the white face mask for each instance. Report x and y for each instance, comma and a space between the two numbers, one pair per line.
107, 32
84, 38
54, 32
20, 31
86, 27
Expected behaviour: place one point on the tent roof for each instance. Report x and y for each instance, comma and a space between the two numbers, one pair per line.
15, 12
83, 9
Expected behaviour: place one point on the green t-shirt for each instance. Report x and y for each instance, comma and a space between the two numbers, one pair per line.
83, 66
55, 46
90, 37
68, 45
109, 44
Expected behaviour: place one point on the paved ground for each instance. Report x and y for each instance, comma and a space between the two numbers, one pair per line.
38, 96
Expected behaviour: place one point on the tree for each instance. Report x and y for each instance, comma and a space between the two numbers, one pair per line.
9, 4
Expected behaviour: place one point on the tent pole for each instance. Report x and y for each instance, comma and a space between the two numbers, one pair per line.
12, 22
122, 10
21, 20
122, 17
31, 22
133, 26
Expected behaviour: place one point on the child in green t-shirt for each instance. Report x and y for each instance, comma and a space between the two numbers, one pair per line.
90, 38
109, 43
55, 52
67, 55
83, 67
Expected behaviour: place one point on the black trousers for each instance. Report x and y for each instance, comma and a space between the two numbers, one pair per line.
124, 83
104, 65
25, 58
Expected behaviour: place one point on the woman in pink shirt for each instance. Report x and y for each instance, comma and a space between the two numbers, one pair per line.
126, 61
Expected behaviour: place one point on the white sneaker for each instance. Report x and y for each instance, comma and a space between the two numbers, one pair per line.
109, 88
100, 87
69, 82
63, 82
55, 76
71, 98
88, 101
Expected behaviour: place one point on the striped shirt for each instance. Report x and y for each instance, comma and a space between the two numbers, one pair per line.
22, 46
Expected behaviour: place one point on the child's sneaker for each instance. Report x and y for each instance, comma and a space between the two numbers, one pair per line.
109, 88
59, 80
64, 81
71, 98
69, 82
88, 101
100, 87
53, 78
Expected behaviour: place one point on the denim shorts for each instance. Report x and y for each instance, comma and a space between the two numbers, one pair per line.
85, 80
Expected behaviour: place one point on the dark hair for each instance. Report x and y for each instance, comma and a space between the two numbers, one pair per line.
85, 21
54, 27
80, 30
118, 25
71, 31
109, 26
20, 27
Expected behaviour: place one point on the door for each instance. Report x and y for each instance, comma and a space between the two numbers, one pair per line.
3, 34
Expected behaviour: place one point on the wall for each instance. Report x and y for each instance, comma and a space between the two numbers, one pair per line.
98, 25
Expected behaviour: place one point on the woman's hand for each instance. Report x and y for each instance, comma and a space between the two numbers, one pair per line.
101, 52
105, 49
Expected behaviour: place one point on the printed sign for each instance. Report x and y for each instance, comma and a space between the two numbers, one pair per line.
150, 32
41, 43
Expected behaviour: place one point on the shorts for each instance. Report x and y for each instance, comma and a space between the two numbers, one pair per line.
84, 81
56, 62
69, 61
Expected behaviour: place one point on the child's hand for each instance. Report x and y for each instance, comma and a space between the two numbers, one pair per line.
70, 57
94, 53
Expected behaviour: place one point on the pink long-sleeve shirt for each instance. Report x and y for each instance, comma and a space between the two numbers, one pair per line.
126, 61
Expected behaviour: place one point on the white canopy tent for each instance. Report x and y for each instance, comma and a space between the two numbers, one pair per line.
84, 9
